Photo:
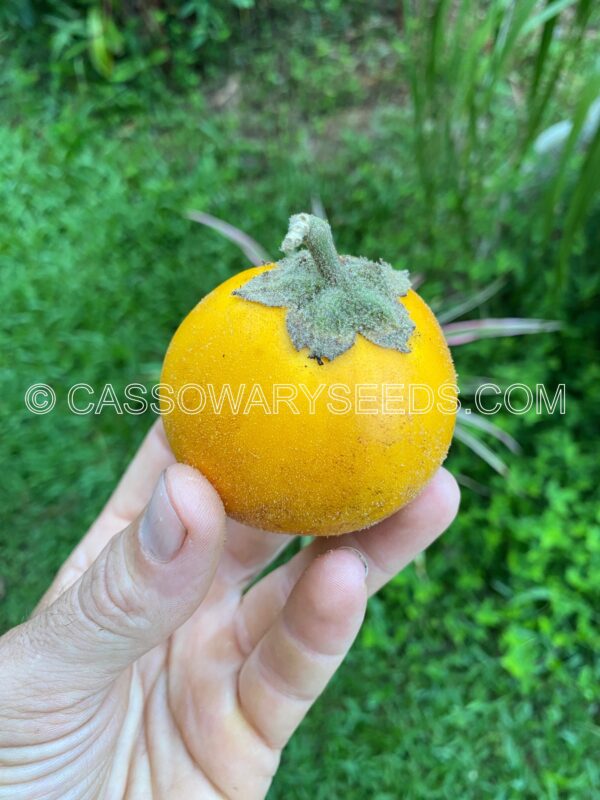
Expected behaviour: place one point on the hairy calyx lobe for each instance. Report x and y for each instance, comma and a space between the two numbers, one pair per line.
331, 298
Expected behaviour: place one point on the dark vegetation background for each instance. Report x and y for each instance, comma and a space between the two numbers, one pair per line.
416, 126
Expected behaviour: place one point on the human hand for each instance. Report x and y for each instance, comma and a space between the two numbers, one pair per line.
147, 672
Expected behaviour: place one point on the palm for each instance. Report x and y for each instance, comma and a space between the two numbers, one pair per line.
180, 734
207, 712
195, 721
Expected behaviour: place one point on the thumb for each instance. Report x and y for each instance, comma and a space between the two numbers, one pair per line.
145, 583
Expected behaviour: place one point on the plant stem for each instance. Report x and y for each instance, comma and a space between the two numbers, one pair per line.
315, 233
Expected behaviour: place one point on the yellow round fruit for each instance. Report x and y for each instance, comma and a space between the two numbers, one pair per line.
302, 423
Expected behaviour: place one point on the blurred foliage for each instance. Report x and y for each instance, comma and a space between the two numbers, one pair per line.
477, 81
476, 672
119, 40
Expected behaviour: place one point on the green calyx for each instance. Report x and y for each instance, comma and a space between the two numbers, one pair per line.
331, 298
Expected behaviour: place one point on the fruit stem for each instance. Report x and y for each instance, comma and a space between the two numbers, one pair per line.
315, 233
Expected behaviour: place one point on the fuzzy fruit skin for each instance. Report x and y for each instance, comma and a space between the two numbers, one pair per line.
310, 473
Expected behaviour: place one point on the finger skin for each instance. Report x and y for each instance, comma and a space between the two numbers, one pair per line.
128, 601
308, 640
247, 550
387, 547
135, 487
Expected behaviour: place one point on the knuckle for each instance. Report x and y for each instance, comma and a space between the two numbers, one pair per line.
109, 596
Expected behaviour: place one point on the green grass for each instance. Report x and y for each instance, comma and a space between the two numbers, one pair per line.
476, 674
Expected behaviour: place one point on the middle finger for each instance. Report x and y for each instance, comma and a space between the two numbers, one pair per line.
387, 548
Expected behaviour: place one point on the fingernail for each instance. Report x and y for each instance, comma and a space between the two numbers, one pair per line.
360, 555
161, 531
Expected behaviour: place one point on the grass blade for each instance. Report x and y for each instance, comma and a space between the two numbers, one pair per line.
253, 251
574, 38
472, 484
586, 190
588, 96
480, 449
551, 12
541, 58
417, 280
458, 333
470, 418
469, 303
514, 21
